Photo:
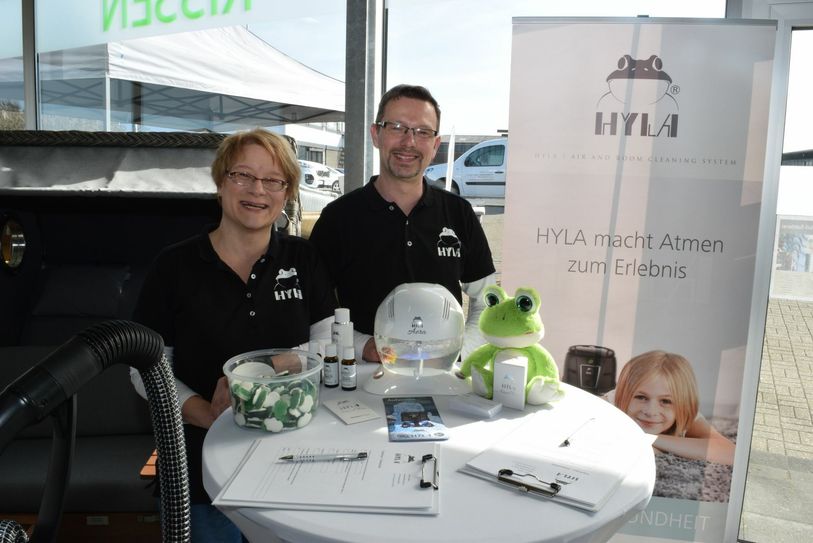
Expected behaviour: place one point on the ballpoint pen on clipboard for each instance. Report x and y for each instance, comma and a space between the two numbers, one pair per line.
566, 442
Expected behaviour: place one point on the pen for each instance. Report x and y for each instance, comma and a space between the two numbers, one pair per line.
566, 442
323, 457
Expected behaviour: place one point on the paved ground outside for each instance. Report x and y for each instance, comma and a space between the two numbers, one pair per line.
779, 487
778, 501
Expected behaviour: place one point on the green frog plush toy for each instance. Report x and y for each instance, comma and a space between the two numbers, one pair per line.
513, 328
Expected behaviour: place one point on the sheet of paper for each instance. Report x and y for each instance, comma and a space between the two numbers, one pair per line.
387, 481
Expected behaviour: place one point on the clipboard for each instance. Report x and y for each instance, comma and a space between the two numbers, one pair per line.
394, 478
573, 460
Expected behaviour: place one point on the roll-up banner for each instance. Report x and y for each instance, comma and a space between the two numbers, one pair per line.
636, 158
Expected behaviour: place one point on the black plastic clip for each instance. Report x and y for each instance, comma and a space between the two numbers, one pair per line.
549, 490
434, 482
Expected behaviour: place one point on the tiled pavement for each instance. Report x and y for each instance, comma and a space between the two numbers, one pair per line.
778, 502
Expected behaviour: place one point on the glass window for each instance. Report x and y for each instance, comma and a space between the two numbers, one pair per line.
792, 276
218, 66
493, 155
466, 64
12, 101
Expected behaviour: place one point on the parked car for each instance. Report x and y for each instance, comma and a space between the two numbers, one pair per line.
479, 172
315, 175
337, 175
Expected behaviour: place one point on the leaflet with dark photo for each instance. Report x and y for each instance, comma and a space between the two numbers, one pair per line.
577, 460
414, 419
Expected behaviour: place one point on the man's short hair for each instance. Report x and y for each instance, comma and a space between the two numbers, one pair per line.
407, 91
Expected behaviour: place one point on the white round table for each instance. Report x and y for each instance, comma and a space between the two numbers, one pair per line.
471, 510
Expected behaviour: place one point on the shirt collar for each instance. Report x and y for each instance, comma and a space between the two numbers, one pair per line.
207, 250
377, 202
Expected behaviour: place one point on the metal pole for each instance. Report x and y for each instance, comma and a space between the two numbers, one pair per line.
31, 108
362, 87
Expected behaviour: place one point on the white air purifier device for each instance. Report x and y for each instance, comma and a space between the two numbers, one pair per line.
418, 335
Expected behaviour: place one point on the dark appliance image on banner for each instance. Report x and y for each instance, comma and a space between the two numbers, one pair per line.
591, 368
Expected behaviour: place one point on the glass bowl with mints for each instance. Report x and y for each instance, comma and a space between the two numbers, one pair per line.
274, 389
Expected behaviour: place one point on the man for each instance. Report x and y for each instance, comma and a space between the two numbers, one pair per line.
399, 229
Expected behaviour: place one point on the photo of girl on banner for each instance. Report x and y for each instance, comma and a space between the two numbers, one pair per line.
659, 391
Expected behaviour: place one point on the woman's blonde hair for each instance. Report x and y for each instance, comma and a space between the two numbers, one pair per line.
679, 377
275, 144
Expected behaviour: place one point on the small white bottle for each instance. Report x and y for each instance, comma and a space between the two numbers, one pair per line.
342, 328
315, 347
348, 369
331, 366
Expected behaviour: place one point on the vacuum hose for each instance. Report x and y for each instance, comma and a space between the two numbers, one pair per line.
55, 380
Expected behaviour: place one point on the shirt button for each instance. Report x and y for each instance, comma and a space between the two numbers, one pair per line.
409, 244
248, 295
254, 276
262, 260
392, 207
251, 313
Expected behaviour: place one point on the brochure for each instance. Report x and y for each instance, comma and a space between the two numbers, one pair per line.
351, 410
414, 419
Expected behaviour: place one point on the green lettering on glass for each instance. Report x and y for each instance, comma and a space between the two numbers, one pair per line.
189, 13
109, 11
161, 16
147, 19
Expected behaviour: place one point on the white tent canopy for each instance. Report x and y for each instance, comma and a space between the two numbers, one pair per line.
217, 79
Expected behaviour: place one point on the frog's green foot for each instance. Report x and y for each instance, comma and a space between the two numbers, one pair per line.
482, 382
541, 390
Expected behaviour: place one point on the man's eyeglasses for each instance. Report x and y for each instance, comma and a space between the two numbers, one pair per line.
245, 180
397, 129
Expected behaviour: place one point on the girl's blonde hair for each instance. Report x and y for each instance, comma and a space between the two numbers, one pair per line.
276, 145
679, 377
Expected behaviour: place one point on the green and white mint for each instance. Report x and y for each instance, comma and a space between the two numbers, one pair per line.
272, 407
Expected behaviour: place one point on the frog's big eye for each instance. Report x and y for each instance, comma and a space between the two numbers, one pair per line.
492, 299
524, 303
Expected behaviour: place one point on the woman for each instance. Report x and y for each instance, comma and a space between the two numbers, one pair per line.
239, 287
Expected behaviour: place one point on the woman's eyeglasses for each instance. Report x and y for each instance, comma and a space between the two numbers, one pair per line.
397, 129
245, 180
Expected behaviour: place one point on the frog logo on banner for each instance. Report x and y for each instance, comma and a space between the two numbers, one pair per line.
640, 100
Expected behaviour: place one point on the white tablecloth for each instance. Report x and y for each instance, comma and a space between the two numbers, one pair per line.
471, 510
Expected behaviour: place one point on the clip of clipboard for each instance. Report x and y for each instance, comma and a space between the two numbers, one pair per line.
544, 488
425, 483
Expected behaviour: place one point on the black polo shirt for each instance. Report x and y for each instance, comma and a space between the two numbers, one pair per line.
204, 311
369, 247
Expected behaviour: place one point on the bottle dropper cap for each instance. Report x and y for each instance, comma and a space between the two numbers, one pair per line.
330, 349
349, 353
341, 314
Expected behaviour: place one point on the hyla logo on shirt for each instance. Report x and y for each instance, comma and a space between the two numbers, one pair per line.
287, 286
448, 243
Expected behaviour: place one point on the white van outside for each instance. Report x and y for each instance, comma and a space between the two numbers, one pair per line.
479, 172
